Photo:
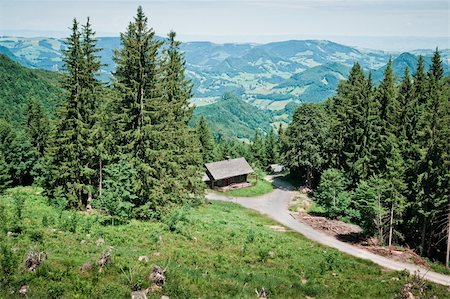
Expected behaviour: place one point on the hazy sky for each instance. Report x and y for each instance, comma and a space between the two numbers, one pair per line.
378, 24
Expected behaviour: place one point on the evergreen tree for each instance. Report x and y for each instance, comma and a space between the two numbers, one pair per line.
258, 150
5, 178
271, 146
332, 193
38, 126
207, 144
350, 108
369, 201
153, 113
430, 171
304, 151
75, 152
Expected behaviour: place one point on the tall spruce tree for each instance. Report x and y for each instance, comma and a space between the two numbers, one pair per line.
207, 144
153, 113
66, 178
38, 126
74, 152
304, 151
349, 111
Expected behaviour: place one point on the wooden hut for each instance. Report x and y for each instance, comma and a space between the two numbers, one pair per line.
227, 172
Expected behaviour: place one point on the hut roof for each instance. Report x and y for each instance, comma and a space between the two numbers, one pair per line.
228, 168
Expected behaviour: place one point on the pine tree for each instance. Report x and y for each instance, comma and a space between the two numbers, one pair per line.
431, 197
385, 105
349, 111
5, 178
153, 113
207, 145
67, 148
38, 126
395, 187
271, 146
304, 151
258, 150
89, 110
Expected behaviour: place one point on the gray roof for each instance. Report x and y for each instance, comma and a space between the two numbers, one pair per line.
228, 168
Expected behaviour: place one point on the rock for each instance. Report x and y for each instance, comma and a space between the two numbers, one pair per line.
157, 276
34, 259
9, 234
143, 258
409, 295
24, 290
100, 241
157, 254
83, 242
164, 297
104, 260
86, 267
142, 294
261, 293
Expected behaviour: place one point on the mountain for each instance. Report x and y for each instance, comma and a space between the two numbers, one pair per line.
19, 84
408, 60
268, 76
274, 78
231, 116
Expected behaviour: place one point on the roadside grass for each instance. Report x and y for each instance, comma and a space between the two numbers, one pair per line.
219, 250
437, 267
261, 187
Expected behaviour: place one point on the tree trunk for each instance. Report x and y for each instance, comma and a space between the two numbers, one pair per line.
447, 255
100, 177
89, 201
424, 230
380, 222
308, 177
391, 224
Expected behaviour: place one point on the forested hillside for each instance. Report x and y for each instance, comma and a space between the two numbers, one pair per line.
379, 155
267, 75
20, 85
232, 117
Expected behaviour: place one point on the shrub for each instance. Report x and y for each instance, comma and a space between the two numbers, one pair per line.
176, 218
36, 236
118, 195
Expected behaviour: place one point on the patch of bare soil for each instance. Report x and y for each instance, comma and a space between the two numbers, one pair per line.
351, 233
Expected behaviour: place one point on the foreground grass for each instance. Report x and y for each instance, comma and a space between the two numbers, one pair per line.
213, 251
261, 187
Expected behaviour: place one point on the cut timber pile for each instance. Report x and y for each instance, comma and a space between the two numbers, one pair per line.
352, 234
330, 226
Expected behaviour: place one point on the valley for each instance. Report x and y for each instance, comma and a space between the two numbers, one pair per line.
267, 76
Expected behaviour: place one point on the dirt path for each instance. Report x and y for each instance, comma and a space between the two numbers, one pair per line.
275, 205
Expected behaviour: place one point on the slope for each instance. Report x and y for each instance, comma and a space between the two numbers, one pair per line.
218, 250
19, 84
231, 116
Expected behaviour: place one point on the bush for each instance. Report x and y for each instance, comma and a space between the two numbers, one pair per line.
176, 218
36, 236
117, 195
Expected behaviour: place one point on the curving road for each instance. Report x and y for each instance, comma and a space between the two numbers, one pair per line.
275, 205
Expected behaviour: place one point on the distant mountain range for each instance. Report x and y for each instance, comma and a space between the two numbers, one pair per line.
268, 76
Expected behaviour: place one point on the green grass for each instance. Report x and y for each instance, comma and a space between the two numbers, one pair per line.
219, 250
261, 187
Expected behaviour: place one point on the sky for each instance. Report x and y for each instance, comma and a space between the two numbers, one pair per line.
393, 25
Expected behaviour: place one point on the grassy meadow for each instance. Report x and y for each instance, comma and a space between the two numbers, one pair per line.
259, 187
219, 250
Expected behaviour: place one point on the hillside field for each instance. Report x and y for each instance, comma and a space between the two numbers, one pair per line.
209, 251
